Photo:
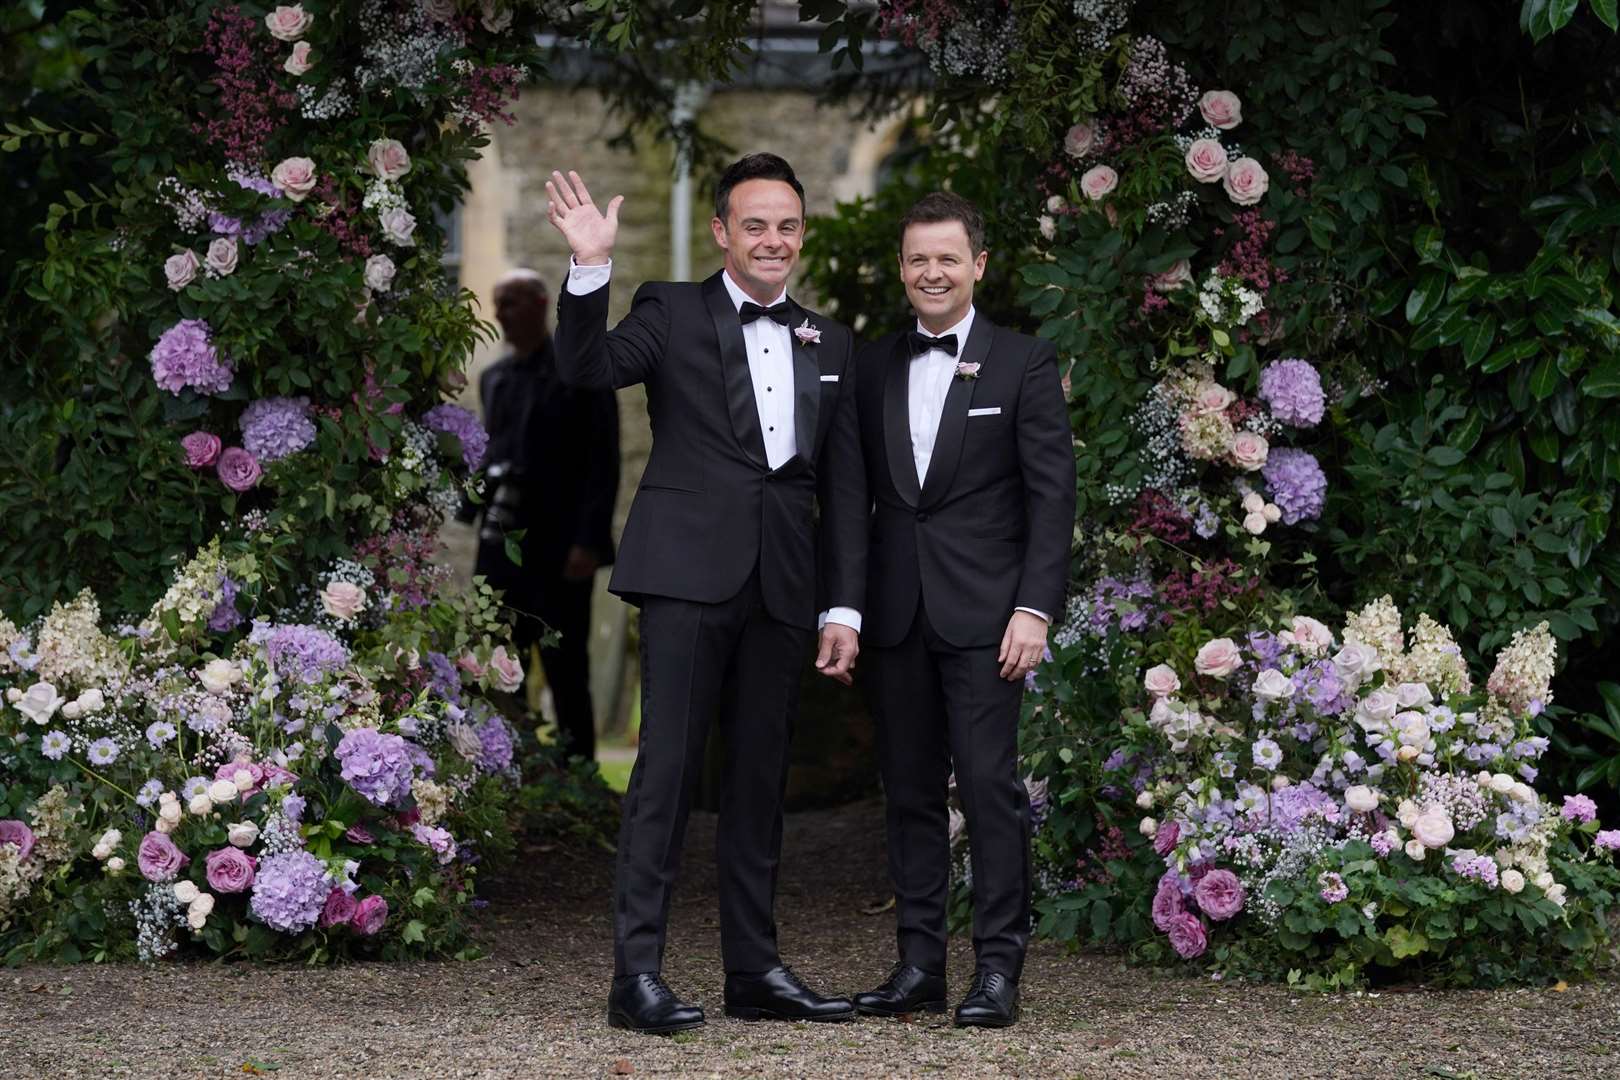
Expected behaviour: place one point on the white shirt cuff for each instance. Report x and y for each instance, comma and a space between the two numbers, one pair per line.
844, 616
1041, 615
587, 279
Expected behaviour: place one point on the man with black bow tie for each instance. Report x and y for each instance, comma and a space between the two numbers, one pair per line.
970, 464
753, 429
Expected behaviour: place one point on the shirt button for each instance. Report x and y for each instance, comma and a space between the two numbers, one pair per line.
767, 389
771, 429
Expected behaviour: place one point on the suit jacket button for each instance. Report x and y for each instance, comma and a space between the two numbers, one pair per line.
922, 515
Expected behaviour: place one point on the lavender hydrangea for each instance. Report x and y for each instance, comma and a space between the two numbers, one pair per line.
443, 679
1292, 389
377, 766
184, 356
496, 739
454, 420
225, 617
289, 891
300, 651
1296, 482
276, 427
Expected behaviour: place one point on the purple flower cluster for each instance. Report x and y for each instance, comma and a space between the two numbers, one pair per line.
1607, 840
1579, 808
300, 651
1296, 482
377, 766
443, 678
225, 617
1333, 887
1322, 687
184, 356
1477, 867
454, 420
496, 739
1122, 602
1292, 389
276, 427
289, 891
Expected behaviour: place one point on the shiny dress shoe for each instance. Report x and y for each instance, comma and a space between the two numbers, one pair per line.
908, 989
778, 994
992, 1002
645, 1003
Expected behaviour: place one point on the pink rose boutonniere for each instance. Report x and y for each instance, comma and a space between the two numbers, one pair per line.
807, 334
965, 370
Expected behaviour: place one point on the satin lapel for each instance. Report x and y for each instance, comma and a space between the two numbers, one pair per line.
806, 392
734, 365
953, 417
897, 421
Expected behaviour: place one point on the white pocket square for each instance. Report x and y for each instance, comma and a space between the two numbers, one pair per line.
994, 410
829, 378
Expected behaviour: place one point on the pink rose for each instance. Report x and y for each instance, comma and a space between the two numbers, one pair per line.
1219, 658
1098, 181
339, 908
369, 915
1164, 840
388, 159
1168, 904
1310, 636
379, 273
398, 224
18, 834
230, 870
1179, 274
298, 63
222, 256
202, 449
1221, 108
1211, 398
1080, 139
1206, 160
1246, 181
1187, 936
295, 176
1161, 680
255, 777
181, 269
1249, 451
289, 23
469, 663
158, 858
238, 469
343, 600
506, 669
1220, 894
359, 834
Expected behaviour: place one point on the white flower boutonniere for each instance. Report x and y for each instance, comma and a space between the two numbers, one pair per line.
965, 370
807, 334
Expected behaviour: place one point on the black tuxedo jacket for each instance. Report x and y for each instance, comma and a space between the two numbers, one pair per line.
989, 529
709, 508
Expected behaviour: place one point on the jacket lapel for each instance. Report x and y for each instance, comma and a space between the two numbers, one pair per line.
897, 422
806, 393
953, 418
734, 365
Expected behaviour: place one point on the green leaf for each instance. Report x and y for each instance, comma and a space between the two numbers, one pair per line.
1425, 296
413, 932
1444, 455
1477, 338
1429, 242
1510, 354
1544, 379
1603, 382
1608, 12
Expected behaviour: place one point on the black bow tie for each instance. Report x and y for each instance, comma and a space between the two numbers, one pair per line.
921, 343
750, 311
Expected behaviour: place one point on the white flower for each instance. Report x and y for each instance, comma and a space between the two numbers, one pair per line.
1253, 503
72, 710
218, 676
1273, 685
1361, 798
222, 791
243, 781
1308, 635
1501, 783
1148, 827
1047, 225
1406, 813
1356, 663
1379, 706
202, 905
115, 864
242, 834
91, 700
168, 817
1543, 880
379, 272
1272, 513
957, 823
1161, 680
186, 891
1433, 827
1410, 695
1408, 753
201, 805
1145, 800
1278, 783
1415, 850
1522, 792
1512, 881
495, 17
1555, 893
39, 703
221, 255
1255, 524
398, 224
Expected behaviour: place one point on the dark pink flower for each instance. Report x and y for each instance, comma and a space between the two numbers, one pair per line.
202, 449
158, 858
339, 909
1167, 903
369, 915
18, 833
1220, 894
230, 870
359, 834
1164, 841
1187, 936
238, 469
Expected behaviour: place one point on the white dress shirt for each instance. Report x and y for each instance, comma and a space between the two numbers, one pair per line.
770, 365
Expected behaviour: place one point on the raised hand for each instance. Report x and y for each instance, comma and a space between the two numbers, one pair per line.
590, 233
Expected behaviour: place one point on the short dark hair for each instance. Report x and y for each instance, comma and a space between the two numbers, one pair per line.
939, 206
754, 167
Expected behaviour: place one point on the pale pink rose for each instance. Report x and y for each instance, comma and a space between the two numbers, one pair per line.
506, 669
1361, 799
469, 663
222, 255
1220, 894
1211, 398
1206, 160
180, 270
1249, 451
1161, 680
1080, 139
343, 600
379, 272
299, 62
1098, 181
388, 159
1221, 108
1433, 828
1219, 658
295, 176
398, 224
1255, 524
1246, 181
1178, 276
289, 23
1310, 636
202, 449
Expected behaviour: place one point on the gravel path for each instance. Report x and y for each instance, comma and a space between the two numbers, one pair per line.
535, 1006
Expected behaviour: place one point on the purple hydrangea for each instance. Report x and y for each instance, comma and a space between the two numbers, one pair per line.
454, 420
443, 679
225, 617
377, 766
289, 891
1293, 391
496, 739
1323, 688
184, 356
300, 651
1296, 482
1579, 808
276, 427
1607, 840
423, 761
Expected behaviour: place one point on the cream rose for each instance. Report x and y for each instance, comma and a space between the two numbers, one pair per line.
1408, 753
379, 272
242, 834
222, 791
1098, 182
181, 270
1415, 850
1273, 685
1556, 892
1161, 680
388, 159
1501, 783
201, 906
1249, 451
1361, 798
186, 891
1219, 658
200, 804
39, 702
496, 18
1148, 826
1246, 181
1079, 140
1279, 783
115, 865
295, 176
1355, 663
1047, 226
1512, 881
1255, 524
1221, 109
222, 255
1412, 694
1253, 503
289, 23
398, 226
1522, 792
218, 676
1272, 513
1433, 827
91, 700
1144, 800
299, 62
1207, 160
1406, 813
1310, 636
343, 600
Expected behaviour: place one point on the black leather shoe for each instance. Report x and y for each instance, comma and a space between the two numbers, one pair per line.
908, 989
778, 994
992, 1002
645, 1003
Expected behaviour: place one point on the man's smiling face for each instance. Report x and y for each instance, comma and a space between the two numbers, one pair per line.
761, 236
939, 269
